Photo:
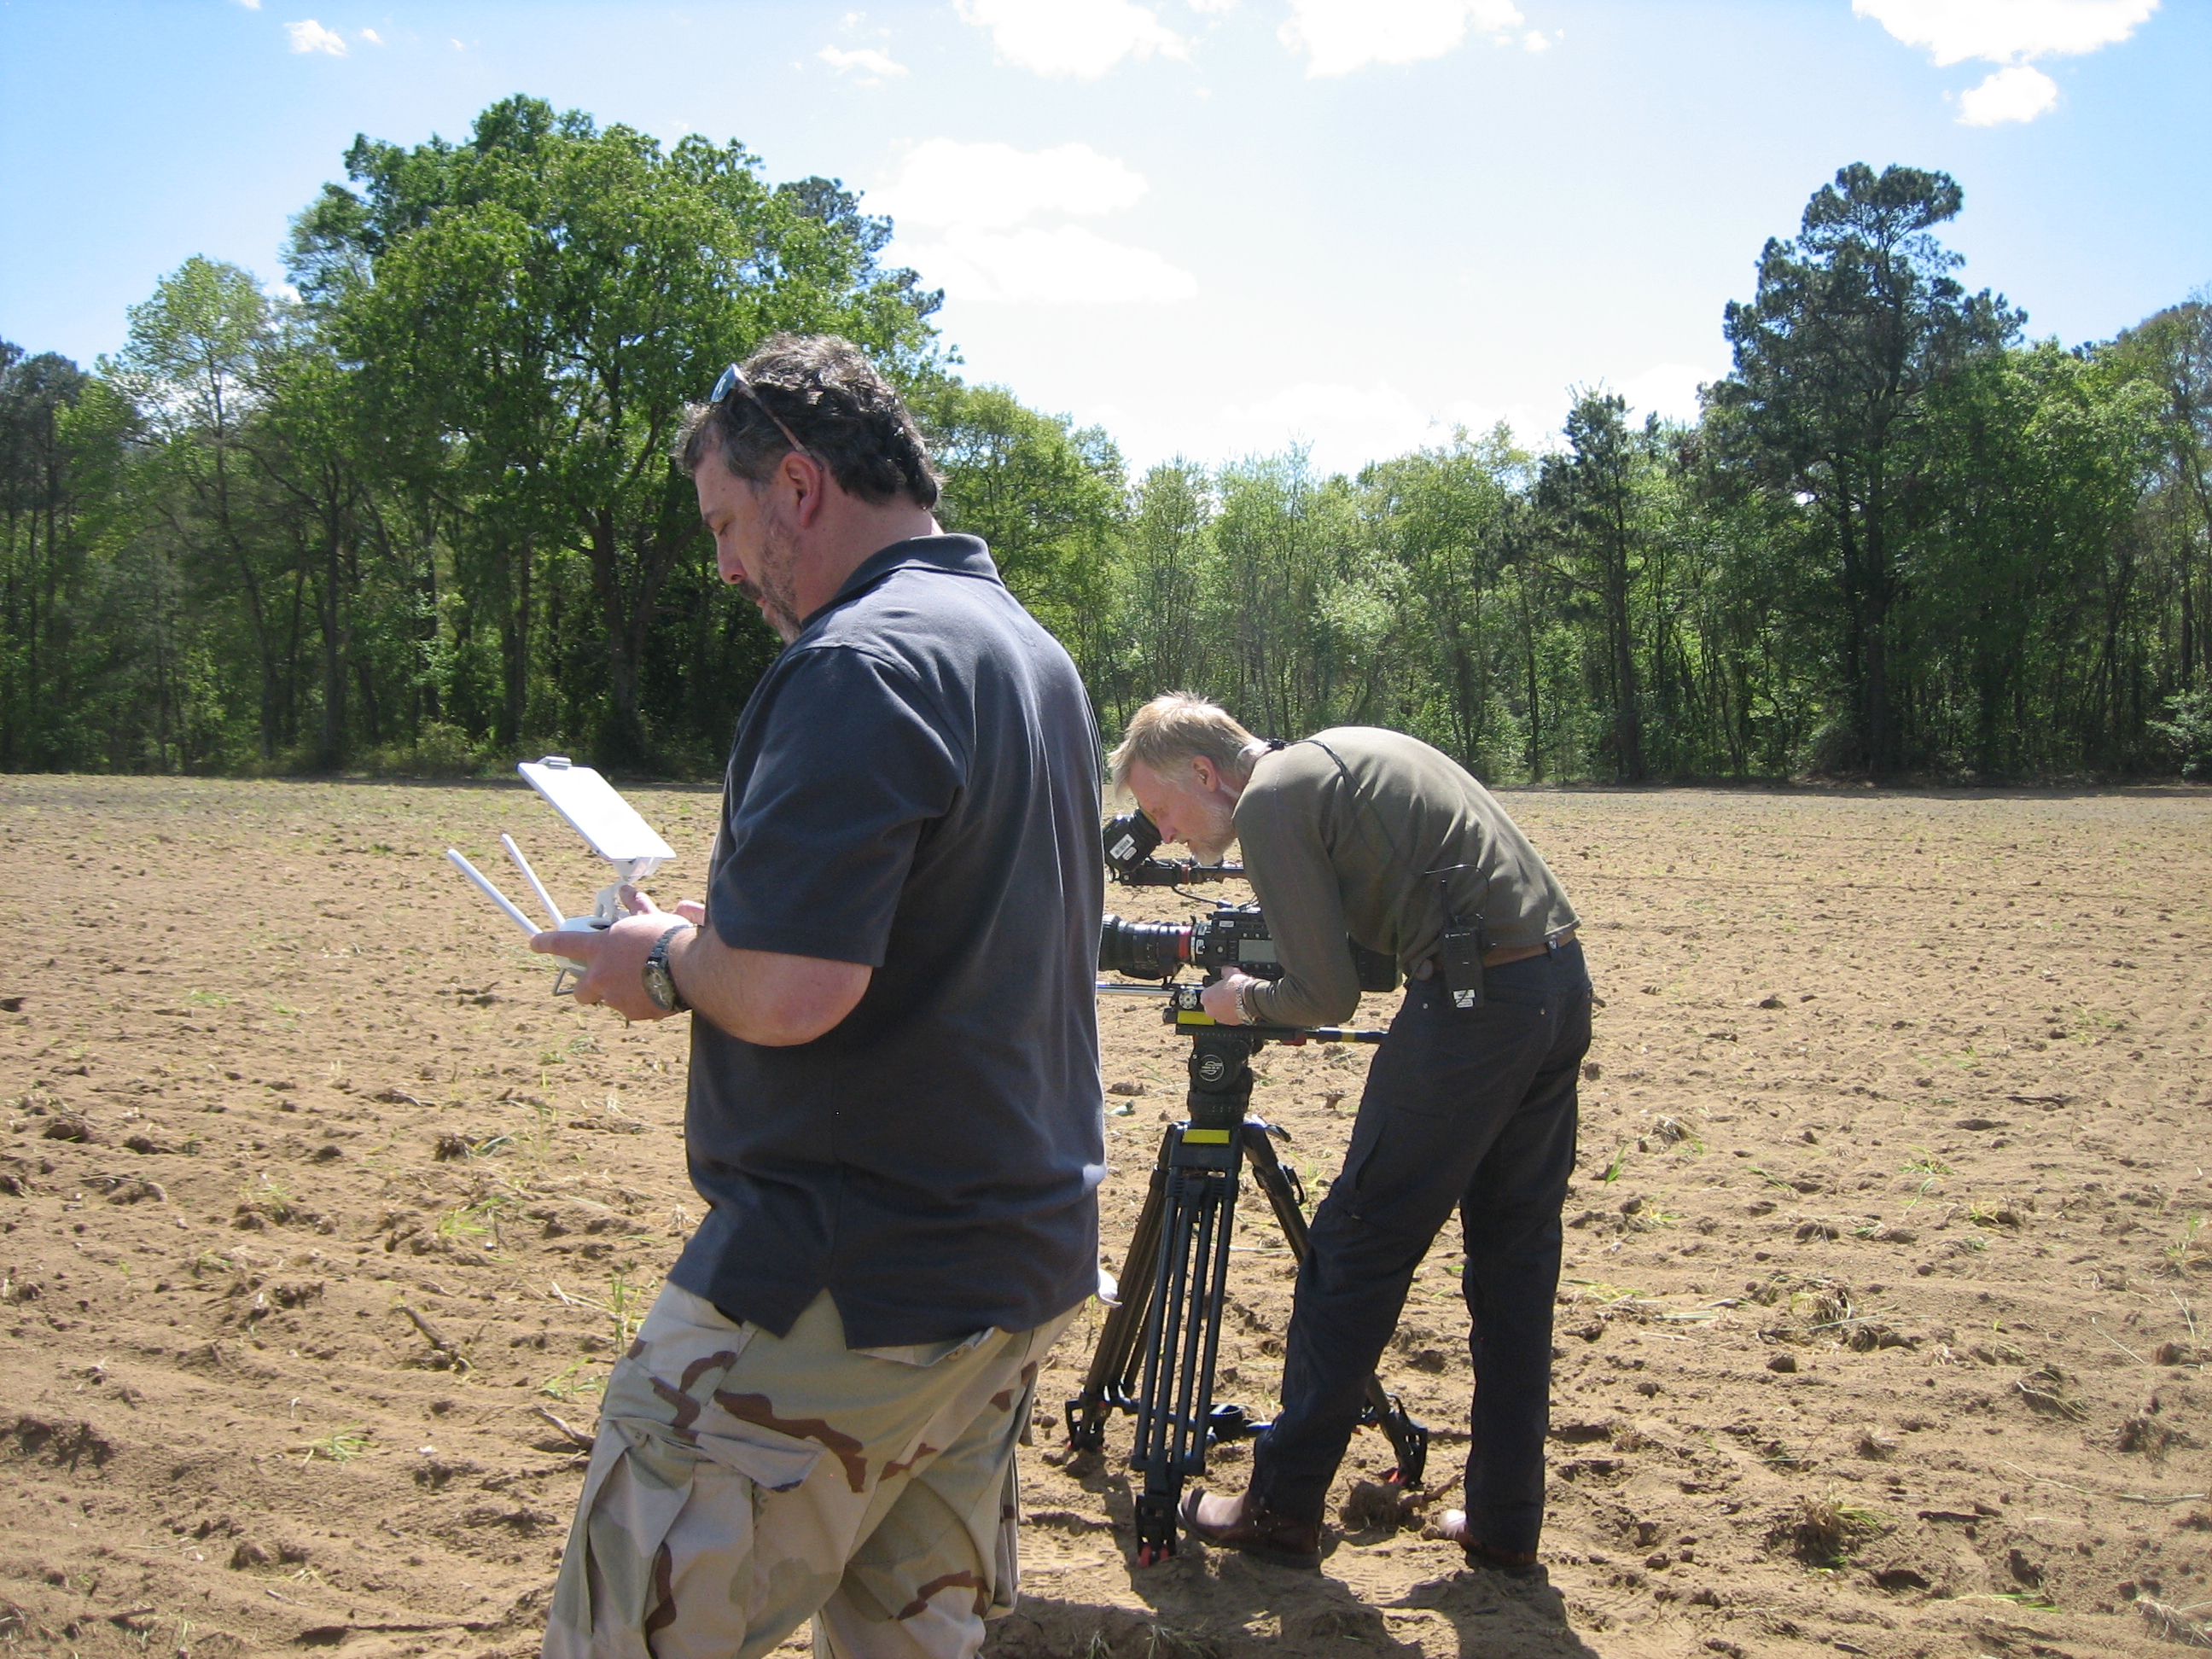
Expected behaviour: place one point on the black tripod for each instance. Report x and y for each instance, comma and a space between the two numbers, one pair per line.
1177, 1270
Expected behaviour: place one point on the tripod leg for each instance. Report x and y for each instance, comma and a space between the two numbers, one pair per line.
1182, 1332
1114, 1360
1182, 1327
1384, 1410
1275, 1182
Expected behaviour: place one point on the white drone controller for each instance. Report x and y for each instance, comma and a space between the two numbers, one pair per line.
602, 817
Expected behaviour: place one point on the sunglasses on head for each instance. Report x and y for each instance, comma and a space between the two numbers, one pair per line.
734, 379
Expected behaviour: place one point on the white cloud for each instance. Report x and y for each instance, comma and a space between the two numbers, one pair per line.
1666, 389
2007, 31
1342, 426
311, 36
965, 215
1345, 426
1535, 41
992, 185
2015, 94
1337, 420
1069, 264
1079, 37
1339, 36
251, 5
372, 37
877, 65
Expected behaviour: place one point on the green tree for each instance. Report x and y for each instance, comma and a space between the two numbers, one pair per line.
2173, 351
193, 363
1449, 519
1165, 571
533, 309
1048, 497
1592, 514
1853, 325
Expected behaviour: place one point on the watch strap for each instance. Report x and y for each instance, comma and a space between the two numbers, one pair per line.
658, 958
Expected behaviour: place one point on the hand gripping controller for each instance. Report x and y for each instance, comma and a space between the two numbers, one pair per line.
612, 827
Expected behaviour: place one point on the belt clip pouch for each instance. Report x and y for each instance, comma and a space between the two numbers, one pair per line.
1460, 961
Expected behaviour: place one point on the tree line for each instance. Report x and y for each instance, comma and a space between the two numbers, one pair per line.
413, 511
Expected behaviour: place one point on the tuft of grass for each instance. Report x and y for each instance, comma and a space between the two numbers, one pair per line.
2186, 1252
1612, 1171
478, 1218
1931, 1169
627, 1304
625, 1307
1823, 1532
573, 1379
208, 999
575, 1049
268, 1196
340, 1446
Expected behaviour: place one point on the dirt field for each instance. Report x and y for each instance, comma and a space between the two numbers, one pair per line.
1883, 1332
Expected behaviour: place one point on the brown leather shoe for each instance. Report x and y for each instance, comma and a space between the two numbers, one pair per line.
1237, 1523
1451, 1526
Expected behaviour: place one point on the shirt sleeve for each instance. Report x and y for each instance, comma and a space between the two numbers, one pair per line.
1288, 865
854, 767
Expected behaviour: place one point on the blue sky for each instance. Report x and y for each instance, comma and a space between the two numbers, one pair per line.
1214, 226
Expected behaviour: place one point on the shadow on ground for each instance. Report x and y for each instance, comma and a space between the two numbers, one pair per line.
1212, 1606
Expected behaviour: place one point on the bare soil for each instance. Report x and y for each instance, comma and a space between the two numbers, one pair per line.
1883, 1329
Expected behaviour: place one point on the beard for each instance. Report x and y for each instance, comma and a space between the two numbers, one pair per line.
775, 592
1211, 845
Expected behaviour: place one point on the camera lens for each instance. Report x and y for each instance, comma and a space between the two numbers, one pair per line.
1143, 950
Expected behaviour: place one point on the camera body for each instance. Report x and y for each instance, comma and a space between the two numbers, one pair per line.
1228, 936
1234, 936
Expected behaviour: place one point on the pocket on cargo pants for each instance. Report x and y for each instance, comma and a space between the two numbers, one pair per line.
669, 1466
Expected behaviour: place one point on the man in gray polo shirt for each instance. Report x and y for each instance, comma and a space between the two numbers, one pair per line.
1470, 1103
894, 1089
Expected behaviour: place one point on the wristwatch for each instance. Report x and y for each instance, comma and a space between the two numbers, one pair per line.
660, 983
1244, 1002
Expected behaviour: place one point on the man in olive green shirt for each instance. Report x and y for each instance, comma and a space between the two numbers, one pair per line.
1470, 1103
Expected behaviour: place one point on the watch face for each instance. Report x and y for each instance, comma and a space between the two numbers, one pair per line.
661, 986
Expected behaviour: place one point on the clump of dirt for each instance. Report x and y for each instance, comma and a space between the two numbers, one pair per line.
1882, 1328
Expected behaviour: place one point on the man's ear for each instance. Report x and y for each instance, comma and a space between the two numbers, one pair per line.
807, 479
1203, 770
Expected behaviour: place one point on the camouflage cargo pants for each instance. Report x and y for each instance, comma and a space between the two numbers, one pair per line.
743, 1483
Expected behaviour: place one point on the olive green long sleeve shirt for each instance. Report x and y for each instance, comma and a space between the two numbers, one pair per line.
1340, 832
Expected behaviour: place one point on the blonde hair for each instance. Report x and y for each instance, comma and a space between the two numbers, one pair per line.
1176, 726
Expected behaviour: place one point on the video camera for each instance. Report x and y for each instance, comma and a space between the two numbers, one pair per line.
1231, 936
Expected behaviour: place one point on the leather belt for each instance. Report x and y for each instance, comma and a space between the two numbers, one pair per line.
1503, 954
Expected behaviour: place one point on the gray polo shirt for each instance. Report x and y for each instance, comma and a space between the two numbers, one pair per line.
915, 785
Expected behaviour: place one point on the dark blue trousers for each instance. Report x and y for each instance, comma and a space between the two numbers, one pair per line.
1470, 1109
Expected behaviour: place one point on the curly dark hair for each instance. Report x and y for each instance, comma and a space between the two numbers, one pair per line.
839, 408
